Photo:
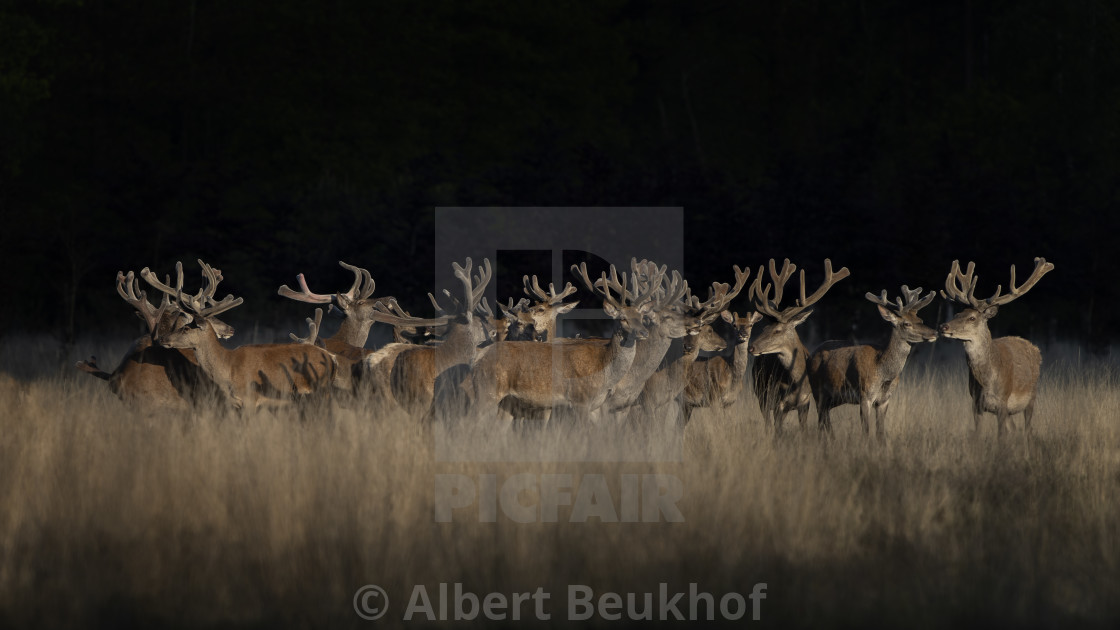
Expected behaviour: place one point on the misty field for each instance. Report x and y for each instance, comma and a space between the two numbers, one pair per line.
116, 518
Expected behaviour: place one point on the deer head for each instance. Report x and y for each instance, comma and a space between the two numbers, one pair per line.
971, 324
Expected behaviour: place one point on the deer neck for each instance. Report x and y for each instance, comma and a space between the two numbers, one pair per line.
795, 359
213, 358
739, 359
620, 356
979, 353
894, 356
458, 347
353, 332
647, 356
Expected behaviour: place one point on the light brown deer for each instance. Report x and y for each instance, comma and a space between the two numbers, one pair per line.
538, 321
251, 376
717, 381
780, 377
412, 371
673, 379
842, 373
150, 376
1003, 373
667, 321
575, 373
359, 311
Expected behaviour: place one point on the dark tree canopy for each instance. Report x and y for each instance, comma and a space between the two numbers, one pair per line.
276, 137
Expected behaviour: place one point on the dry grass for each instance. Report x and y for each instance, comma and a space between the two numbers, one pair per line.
112, 518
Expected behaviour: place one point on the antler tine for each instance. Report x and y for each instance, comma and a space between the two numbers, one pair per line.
129, 289
304, 294
213, 278
961, 286
463, 273
533, 288
741, 276
153, 280
882, 300
780, 279
652, 286
830, 279
227, 303
671, 288
556, 298
485, 273
312, 327
580, 272
605, 285
484, 308
760, 298
914, 300
1041, 268
363, 283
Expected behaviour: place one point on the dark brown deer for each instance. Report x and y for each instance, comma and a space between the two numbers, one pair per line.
1003, 372
842, 373
779, 373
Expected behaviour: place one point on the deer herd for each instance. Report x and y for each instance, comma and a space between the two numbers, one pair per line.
670, 353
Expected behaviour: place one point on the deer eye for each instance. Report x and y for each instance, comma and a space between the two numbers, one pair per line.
908, 325
972, 318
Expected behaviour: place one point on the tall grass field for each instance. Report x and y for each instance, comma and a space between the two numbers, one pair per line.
111, 517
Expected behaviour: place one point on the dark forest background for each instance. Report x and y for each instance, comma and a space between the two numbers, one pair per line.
276, 137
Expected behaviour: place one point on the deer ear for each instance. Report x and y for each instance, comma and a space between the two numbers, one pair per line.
887, 313
800, 319
610, 310
989, 312
344, 302
727, 317
566, 307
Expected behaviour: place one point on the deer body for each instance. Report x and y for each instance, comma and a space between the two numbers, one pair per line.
254, 375
547, 375
718, 380
781, 383
780, 376
841, 373
152, 377
1003, 372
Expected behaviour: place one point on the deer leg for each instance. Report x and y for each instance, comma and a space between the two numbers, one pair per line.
865, 415
824, 415
881, 420
1001, 420
1028, 413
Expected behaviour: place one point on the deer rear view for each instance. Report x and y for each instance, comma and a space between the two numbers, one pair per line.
1003, 372
841, 373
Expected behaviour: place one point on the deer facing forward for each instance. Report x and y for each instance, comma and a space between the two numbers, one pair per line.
1003, 372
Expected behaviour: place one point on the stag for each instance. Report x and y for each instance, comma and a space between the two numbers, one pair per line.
250, 376
151, 376
411, 371
359, 313
575, 373
672, 381
538, 321
1003, 372
779, 374
841, 373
